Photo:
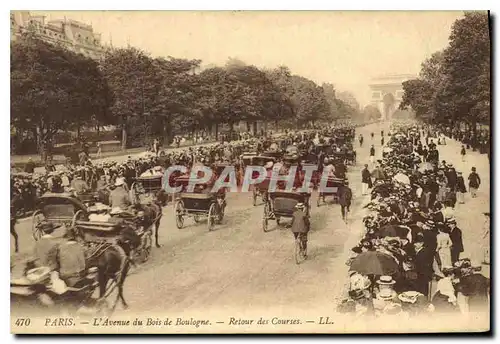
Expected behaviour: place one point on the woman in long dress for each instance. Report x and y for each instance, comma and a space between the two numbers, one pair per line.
444, 247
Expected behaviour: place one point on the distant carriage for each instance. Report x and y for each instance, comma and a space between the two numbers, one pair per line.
282, 205
199, 203
335, 184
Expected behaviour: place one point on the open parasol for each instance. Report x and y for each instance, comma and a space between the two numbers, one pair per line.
374, 263
402, 178
425, 166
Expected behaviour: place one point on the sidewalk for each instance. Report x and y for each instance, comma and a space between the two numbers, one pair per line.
469, 216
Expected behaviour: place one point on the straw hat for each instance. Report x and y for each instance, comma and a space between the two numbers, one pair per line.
119, 182
385, 294
385, 280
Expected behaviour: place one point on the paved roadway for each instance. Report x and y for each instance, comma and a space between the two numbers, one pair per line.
238, 266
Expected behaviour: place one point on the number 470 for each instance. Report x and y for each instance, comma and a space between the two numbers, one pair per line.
23, 322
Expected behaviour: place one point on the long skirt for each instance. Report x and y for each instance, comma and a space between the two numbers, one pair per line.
445, 257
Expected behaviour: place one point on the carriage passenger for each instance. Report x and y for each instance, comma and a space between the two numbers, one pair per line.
119, 197
70, 260
45, 248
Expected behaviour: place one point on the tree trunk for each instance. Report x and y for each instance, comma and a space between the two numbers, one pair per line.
124, 134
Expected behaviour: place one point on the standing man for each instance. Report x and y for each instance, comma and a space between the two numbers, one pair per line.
366, 180
474, 182
372, 153
424, 257
361, 140
457, 244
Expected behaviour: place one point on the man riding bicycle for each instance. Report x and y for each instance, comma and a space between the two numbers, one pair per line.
300, 225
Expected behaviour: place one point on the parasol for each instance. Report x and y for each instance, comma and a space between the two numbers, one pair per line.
374, 263
402, 178
426, 166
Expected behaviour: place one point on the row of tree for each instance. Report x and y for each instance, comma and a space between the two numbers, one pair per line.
454, 84
54, 90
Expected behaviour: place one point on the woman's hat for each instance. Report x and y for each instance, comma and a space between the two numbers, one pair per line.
385, 294
409, 296
299, 206
386, 280
119, 182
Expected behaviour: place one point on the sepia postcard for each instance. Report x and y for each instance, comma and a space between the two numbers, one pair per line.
250, 172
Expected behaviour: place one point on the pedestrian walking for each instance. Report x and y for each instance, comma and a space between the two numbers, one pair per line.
345, 198
474, 182
366, 180
462, 153
372, 154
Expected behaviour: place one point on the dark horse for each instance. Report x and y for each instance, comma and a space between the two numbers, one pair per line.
153, 211
113, 262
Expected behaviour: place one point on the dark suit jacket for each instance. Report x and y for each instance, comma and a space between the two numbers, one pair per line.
456, 239
423, 264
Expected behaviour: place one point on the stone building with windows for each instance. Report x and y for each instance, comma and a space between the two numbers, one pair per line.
70, 34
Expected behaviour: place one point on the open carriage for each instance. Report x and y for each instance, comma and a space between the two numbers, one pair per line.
282, 204
335, 184
260, 189
59, 209
109, 232
201, 202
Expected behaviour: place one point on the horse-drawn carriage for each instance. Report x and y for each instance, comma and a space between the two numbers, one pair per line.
146, 187
59, 209
332, 182
201, 202
281, 204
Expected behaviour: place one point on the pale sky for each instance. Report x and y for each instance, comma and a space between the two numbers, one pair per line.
346, 49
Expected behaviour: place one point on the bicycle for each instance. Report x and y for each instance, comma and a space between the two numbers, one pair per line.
300, 247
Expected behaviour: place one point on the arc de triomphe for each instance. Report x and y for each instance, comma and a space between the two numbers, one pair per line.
387, 92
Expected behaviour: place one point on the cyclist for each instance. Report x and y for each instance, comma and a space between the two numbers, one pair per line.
300, 225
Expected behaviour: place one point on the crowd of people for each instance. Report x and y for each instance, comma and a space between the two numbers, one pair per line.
409, 261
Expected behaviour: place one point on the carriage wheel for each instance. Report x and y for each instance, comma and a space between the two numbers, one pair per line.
38, 218
254, 194
265, 218
79, 215
179, 214
300, 253
211, 217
